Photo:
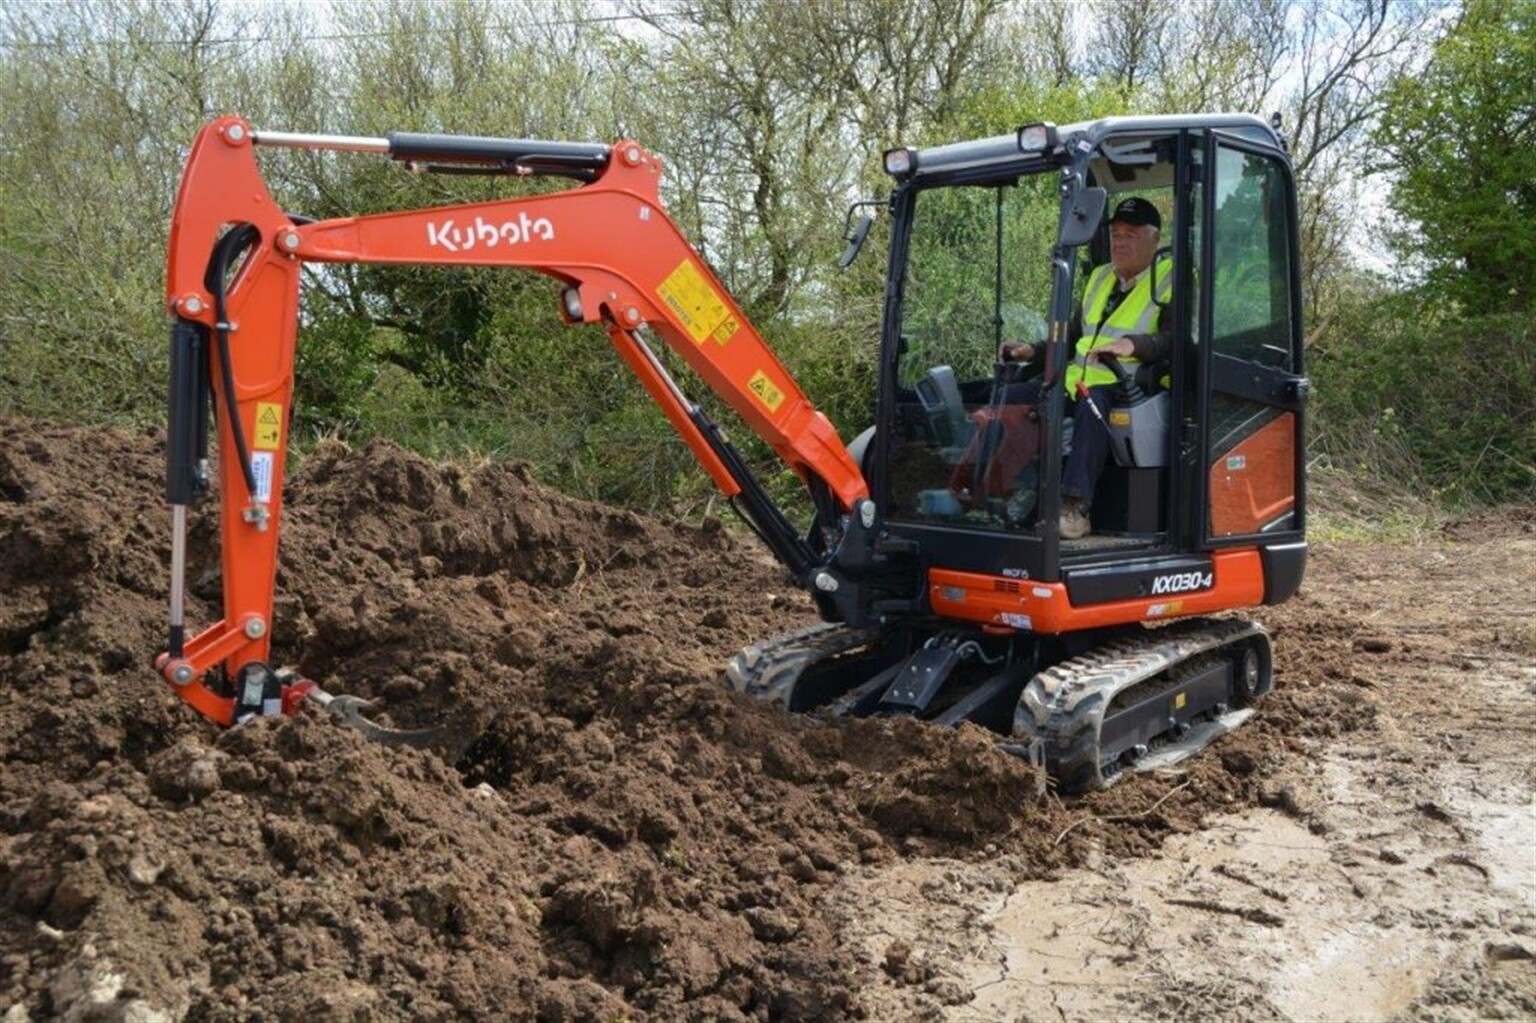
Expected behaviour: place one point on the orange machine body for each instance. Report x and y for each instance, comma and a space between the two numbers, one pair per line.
624, 264
1237, 580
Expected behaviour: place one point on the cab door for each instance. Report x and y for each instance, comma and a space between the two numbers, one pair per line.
1248, 346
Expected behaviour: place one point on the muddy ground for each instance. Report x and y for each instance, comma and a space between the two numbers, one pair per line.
623, 840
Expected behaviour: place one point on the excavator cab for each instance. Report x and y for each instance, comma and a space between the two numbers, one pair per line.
1073, 651
1205, 449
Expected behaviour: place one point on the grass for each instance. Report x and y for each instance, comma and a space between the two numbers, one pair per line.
1359, 508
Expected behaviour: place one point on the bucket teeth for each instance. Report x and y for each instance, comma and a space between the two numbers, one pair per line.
351, 712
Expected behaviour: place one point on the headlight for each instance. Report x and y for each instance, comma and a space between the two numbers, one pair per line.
900, 162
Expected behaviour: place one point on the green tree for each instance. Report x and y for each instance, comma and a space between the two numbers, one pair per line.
1460, 139
97, 104
1445, 371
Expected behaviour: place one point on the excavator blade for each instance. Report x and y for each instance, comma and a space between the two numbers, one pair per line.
944, 676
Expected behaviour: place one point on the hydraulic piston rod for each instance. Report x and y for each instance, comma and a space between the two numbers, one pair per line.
335, 143
583, 159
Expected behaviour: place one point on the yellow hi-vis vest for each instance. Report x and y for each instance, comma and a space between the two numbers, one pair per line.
1136, 314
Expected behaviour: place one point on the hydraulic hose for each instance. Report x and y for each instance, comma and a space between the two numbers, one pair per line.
225, 251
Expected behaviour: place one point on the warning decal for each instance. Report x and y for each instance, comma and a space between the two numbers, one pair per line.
696, 304
726, 330
766, 392
269, 425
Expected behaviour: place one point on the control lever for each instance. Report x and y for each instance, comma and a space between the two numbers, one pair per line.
1128, 385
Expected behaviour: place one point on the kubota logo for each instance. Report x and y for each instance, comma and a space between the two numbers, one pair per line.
456, 239
1181, 582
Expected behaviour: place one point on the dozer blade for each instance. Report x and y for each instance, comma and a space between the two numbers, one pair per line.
943, 676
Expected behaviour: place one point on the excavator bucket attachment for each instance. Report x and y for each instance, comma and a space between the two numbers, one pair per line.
350, 711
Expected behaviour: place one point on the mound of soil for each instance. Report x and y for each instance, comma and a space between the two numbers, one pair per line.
620, 838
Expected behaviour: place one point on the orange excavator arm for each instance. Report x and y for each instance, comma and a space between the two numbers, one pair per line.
233, 286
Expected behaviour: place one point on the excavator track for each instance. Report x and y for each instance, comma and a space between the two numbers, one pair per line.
1144, 701
772, 669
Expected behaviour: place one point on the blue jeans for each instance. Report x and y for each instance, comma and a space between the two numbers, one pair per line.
1090, 445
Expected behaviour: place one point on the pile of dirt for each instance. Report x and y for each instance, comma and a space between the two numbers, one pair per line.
620, 838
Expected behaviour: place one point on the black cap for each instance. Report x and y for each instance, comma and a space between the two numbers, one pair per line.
1137, 211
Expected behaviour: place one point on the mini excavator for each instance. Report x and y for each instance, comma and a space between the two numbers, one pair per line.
934, 555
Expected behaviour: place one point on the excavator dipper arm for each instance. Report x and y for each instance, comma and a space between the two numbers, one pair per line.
623, 262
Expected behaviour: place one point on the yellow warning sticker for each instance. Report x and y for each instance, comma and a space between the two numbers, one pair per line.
727, 330
766, 392
1180, 700
697, 305
1120, 419
269, 424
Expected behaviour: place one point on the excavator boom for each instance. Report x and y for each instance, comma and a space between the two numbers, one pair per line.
233, 286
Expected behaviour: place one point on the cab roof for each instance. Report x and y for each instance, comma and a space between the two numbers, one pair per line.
1000, 149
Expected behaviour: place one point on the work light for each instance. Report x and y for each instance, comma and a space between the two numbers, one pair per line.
900, 162
1037, 138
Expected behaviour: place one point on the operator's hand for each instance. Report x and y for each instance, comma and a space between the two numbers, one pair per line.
1017, 351
1121, 347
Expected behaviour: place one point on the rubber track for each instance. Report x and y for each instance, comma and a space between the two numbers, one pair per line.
1058, 719
1063, 706
769, 670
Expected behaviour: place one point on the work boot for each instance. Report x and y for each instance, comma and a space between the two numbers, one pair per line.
1074, 520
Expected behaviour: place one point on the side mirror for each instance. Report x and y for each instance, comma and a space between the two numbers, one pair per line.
855, 241
1081, 221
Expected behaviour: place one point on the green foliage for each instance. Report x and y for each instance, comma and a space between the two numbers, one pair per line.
1414, 391
94, 114
770, 118
336, 365
1004, 105
1438, 384
1460, 138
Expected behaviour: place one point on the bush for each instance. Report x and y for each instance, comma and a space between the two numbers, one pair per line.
1412, 390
